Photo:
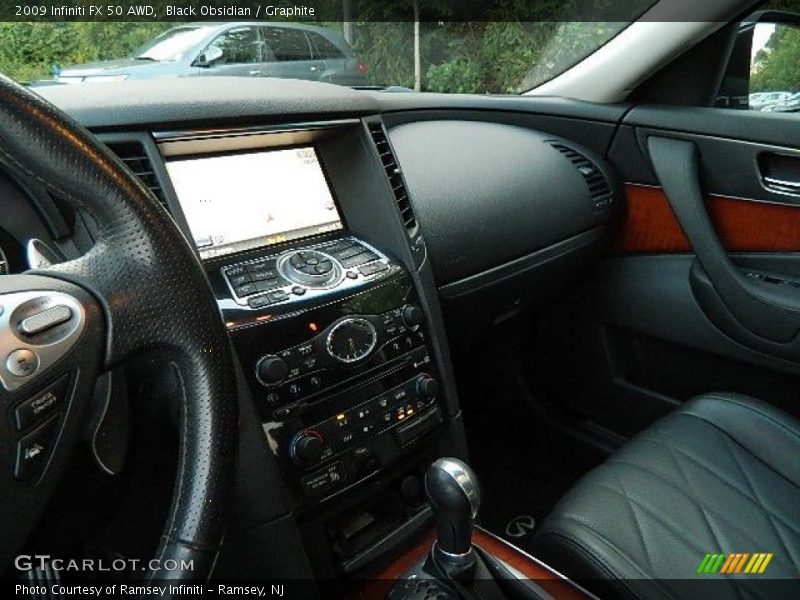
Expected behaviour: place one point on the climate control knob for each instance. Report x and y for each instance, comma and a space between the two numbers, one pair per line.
412, 315
271, 369
306, 448
427, 386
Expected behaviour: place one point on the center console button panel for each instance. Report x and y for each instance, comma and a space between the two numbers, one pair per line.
346, 386
305, 273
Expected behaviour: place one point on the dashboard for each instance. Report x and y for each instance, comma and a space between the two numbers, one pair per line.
337, 228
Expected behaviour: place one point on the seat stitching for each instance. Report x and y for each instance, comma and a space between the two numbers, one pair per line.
759, 459
725, 480
675, 532
636, 522
755, 493
691, 494
697, 503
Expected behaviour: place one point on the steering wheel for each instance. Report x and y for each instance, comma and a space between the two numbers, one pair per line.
140, 288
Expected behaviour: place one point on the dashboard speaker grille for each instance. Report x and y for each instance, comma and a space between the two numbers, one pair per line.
596, 181
134, 155
395, 176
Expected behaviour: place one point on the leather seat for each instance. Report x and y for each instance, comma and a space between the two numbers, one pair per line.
721, 474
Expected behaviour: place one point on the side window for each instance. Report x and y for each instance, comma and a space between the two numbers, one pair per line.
763, 70
324, 48
237, 46
286, 44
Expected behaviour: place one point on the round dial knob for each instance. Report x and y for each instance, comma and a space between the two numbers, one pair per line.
412, 315
306, 447
351, 340
271, 369
427, 386
310, 268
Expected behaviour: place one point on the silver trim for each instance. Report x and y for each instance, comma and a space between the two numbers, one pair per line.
188, 134
41, 255
464, 478
317, 282
782, 186
48, 348
348, 321
454, 559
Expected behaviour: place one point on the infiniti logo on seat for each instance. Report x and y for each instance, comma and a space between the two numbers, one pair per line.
520, 526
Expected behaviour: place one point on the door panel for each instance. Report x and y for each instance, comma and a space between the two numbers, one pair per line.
742, 225
665, 318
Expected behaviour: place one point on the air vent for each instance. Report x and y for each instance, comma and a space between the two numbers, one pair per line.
134, 155
395, 176
596, 181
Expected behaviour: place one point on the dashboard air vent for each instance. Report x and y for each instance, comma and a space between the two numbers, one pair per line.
134, 155
395, 176
596, 181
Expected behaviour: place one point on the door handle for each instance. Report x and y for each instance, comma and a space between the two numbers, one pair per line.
782, 186
771, 313
254, 73
780, 173
313, 68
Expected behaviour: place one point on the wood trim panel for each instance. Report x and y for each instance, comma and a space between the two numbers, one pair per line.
550, 581
650, 226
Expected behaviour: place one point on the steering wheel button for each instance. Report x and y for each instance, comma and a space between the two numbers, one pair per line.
22, 362
41, 404
47, 319
33, 450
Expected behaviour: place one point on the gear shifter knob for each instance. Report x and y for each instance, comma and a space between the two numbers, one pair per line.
454, 495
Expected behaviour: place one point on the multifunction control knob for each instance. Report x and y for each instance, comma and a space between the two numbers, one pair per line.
271, 369
427, 386
310, 268
306, 448
412, 315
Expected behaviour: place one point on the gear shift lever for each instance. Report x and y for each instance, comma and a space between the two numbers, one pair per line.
454, 495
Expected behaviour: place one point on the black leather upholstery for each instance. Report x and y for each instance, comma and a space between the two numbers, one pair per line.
720, 474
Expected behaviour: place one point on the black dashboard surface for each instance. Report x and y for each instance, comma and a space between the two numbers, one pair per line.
487, 187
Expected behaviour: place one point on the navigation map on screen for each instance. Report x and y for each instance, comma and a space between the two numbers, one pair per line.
242, 201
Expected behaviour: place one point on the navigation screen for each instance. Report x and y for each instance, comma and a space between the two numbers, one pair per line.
242, 201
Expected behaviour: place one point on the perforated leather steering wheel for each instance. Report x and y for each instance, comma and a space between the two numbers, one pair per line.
140, 288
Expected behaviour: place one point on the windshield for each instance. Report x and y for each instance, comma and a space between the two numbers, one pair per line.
521, 46
172, 45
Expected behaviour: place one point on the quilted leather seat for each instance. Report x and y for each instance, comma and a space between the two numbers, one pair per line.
721, 474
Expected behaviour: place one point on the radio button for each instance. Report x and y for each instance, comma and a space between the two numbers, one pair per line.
258, 301
245, 290
372, 268
238, 280
278, 296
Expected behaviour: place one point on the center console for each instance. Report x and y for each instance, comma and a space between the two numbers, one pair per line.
332, 315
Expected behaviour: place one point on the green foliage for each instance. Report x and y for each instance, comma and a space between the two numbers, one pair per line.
29, 50
777, 66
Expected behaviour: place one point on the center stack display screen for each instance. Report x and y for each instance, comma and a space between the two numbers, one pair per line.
241, 201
